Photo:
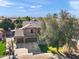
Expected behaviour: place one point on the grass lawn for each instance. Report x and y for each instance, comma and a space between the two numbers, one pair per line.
2, 49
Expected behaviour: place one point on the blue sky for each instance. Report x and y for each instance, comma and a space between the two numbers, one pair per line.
37, 7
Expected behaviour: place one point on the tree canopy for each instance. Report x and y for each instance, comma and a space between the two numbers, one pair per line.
61, 32
7, 23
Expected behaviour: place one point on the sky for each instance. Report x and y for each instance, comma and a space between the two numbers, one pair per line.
37, 8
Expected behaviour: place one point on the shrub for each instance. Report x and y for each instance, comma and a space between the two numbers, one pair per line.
2, 48
54, 49
43, 47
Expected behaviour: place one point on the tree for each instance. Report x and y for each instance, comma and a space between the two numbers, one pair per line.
56, 35
7, 23
51, 32
59, 33
67, 25
64, 15
18, 21
26, 18
58, 39
42, 36
55, 16
49, 25
18, 25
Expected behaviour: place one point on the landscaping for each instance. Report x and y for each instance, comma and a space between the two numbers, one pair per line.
49, 49
2, 49
54, 49
43, 47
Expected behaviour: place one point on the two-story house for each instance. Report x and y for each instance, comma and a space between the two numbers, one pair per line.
26, 36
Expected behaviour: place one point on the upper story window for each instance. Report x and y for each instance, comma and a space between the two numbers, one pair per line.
32, 31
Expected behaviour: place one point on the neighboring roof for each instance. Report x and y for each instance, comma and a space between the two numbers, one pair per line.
25, 22
19, 32
1, 29
1, 32
26, 26
13, 30
35, 24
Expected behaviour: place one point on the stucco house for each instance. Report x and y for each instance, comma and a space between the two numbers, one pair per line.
26, 37
28, 32
2, 34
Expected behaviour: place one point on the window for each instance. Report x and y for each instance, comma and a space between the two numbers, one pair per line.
20, 40
31, 30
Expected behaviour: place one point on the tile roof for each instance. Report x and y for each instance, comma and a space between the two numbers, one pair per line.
36, 24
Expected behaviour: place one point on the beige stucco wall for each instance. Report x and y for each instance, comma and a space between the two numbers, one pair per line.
32, 47
27, 32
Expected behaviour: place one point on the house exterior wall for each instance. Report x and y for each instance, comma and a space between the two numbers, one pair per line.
1, 36
30, 32
31, 46
30, 35
19, 39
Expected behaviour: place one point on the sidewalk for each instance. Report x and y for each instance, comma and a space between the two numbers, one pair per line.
6, 57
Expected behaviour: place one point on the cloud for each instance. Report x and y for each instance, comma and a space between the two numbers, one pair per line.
21, 7
74, 4
74, 13
37, 6
5, 3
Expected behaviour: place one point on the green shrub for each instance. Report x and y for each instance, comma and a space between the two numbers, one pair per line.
2, 48
43, 47
54, 49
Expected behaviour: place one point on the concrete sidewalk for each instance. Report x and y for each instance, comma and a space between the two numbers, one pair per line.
6, 57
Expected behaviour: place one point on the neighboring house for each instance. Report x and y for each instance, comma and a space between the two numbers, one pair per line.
1, 18
1, 34
13, 18
34, 23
